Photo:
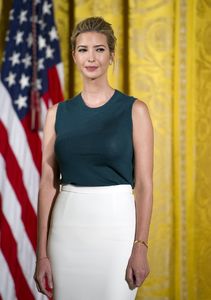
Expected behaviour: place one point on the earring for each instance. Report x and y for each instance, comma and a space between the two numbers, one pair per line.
110, 62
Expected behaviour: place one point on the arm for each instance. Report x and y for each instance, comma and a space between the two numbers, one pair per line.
143, 150
48, 190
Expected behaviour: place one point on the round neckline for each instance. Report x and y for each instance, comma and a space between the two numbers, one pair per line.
97, 107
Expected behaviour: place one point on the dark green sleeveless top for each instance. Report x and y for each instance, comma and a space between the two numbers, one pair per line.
94, 146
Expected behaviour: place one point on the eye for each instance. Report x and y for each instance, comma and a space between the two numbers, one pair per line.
82, 50
100, 49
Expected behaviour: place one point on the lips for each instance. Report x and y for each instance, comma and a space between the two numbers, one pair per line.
91, 69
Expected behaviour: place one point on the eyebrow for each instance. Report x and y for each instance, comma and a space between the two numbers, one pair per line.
96, 46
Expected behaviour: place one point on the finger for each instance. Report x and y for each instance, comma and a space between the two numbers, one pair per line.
49, 280
130, 277
43, 289
140, 276
37, 283
37, 286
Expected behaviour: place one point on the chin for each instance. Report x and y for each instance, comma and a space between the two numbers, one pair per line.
93, 77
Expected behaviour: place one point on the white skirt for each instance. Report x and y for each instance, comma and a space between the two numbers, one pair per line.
90, 240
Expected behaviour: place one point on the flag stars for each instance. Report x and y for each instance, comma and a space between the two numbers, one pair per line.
49, 52
27, 51
34, 19
27, 61
24, 81
46, 8
39, 84
41, 42
29, 40
41, 64
3, 57
22, 16
10, 79
21, 102
11, 17
42, 24
19, 37
7, 36
15, 58
53, 34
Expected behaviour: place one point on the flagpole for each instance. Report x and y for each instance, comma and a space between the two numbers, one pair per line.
35, 97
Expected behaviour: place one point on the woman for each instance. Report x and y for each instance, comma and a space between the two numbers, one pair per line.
92, 234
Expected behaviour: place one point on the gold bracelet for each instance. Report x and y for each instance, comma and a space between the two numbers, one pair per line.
41, 258
142, 242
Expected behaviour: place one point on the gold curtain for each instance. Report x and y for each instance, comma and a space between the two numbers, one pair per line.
164, 58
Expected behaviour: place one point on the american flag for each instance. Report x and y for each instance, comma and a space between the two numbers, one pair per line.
31, 60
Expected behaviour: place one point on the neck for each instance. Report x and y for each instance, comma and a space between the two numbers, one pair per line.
96, 92
96, 86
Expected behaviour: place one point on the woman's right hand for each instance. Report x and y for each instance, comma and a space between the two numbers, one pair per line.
42, 273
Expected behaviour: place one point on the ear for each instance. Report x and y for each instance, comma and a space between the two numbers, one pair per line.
73, 55
112, 55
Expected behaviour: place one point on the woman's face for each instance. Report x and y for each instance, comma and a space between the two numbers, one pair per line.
92, 55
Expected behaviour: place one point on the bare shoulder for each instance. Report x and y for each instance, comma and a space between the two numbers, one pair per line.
51, 113
53, 109
140, 109
142, 126
51, 118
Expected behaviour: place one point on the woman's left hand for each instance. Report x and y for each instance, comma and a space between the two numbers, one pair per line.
137, 269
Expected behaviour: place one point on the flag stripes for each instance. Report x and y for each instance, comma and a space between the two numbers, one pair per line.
20, 147
14, 175
7, 287
12, 211
34, 142
21, 287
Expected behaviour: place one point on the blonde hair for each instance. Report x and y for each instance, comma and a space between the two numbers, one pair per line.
97, 24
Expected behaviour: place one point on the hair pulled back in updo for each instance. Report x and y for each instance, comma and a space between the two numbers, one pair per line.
97, 24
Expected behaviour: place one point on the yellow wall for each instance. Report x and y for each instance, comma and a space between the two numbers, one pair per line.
164, 58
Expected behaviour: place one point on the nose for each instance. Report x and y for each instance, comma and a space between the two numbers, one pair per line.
91, 57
